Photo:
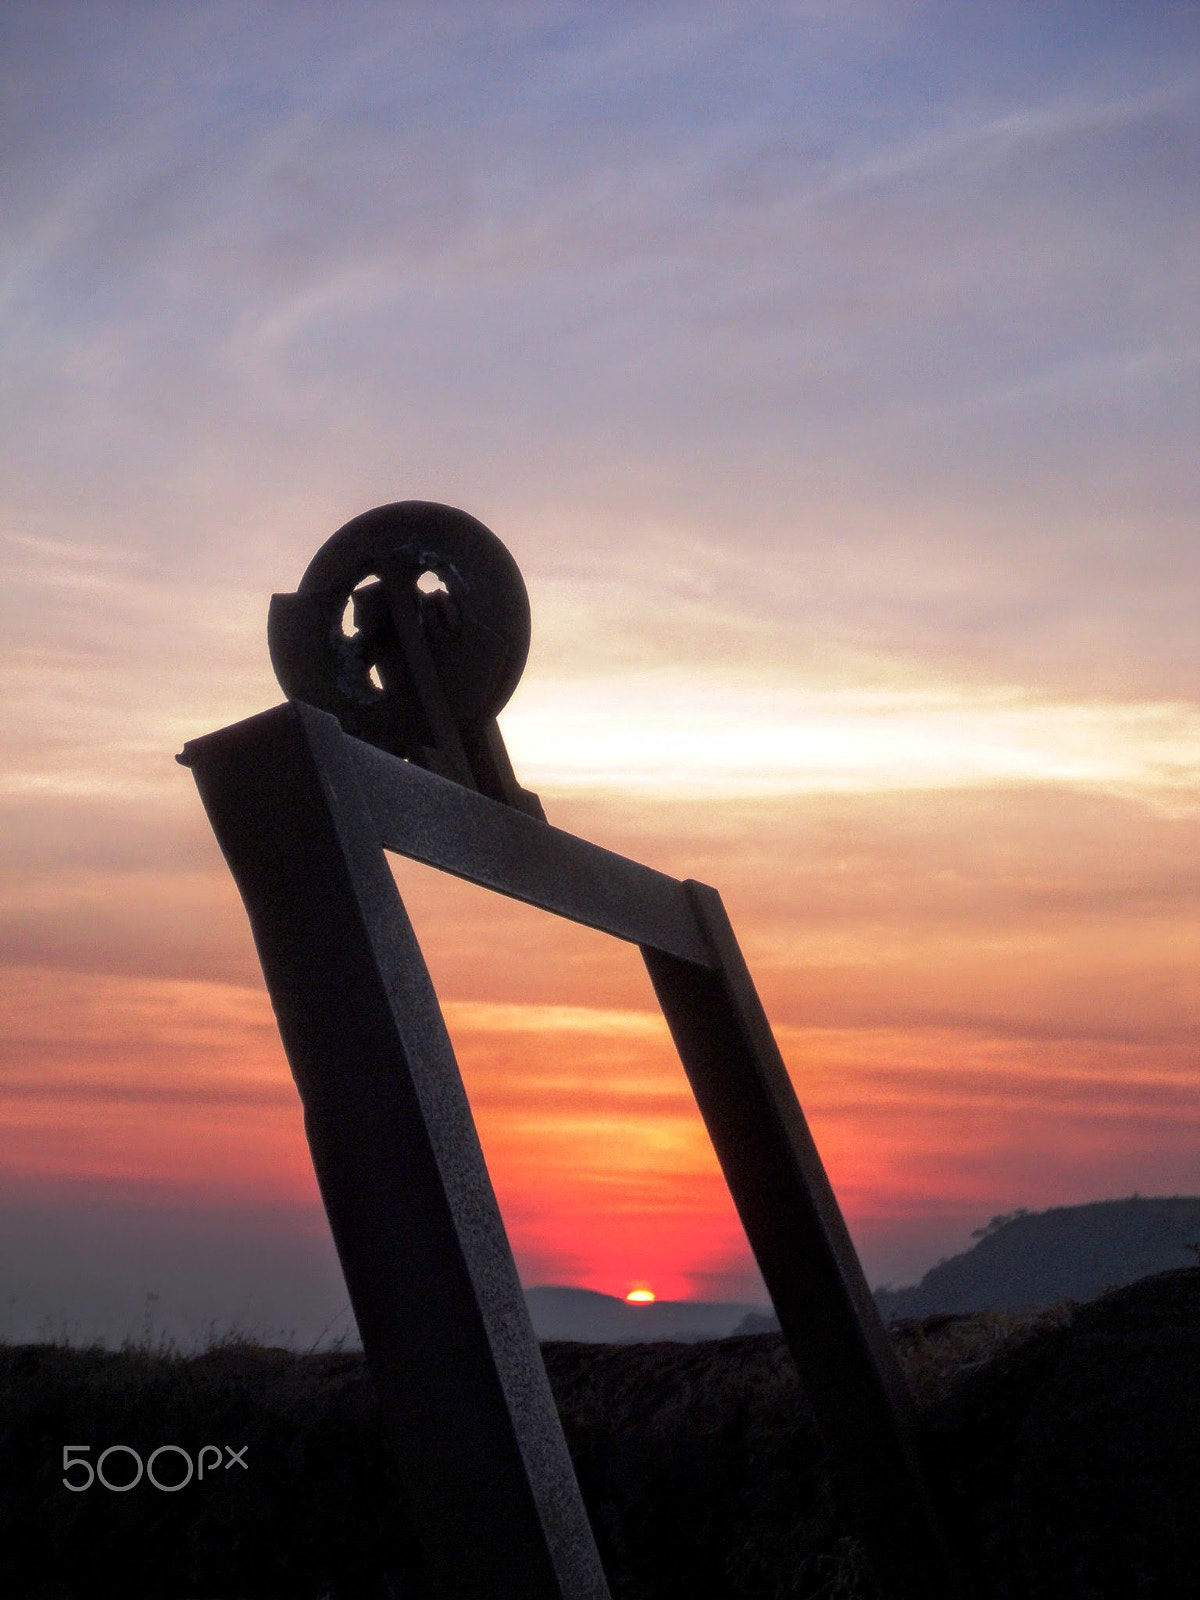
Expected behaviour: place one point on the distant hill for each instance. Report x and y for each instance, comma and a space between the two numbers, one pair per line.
565, 1313
1024, 1261
1028, 1260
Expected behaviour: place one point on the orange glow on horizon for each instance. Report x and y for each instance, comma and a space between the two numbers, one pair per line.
641, 1297
996, 1043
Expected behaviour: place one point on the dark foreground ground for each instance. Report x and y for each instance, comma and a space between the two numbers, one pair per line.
1066, 1447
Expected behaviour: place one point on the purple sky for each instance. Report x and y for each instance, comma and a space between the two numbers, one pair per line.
831, 371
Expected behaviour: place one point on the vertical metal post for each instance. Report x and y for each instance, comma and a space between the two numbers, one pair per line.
426, 1259
795, 1228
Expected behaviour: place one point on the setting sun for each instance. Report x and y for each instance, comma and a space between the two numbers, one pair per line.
640, 1297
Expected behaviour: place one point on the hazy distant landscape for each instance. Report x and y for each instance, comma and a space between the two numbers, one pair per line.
560, 1312
1021, 1261
1024, 1261
1060, 1431
1061, 1446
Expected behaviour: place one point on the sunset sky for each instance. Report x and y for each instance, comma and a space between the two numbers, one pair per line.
831, 371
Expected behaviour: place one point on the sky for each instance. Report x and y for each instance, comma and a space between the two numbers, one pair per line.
831, 373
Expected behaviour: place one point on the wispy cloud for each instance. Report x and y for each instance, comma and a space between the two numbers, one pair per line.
707, 736
985, 138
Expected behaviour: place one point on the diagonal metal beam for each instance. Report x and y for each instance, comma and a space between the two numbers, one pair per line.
799, 1238
434, 820
426, 1259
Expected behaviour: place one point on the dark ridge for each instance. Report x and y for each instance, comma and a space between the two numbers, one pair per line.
1028, 1260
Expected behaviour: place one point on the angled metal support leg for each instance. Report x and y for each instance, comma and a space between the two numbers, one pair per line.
795, 1228
426, 1259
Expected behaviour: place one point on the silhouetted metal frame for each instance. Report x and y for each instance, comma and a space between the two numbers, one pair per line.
304, 814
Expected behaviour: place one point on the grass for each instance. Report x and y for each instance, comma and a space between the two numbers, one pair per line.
936, 1353
700, 1465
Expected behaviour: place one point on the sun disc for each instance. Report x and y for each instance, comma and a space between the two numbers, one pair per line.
640, 1297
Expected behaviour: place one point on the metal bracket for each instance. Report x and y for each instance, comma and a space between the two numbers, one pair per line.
411, 625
